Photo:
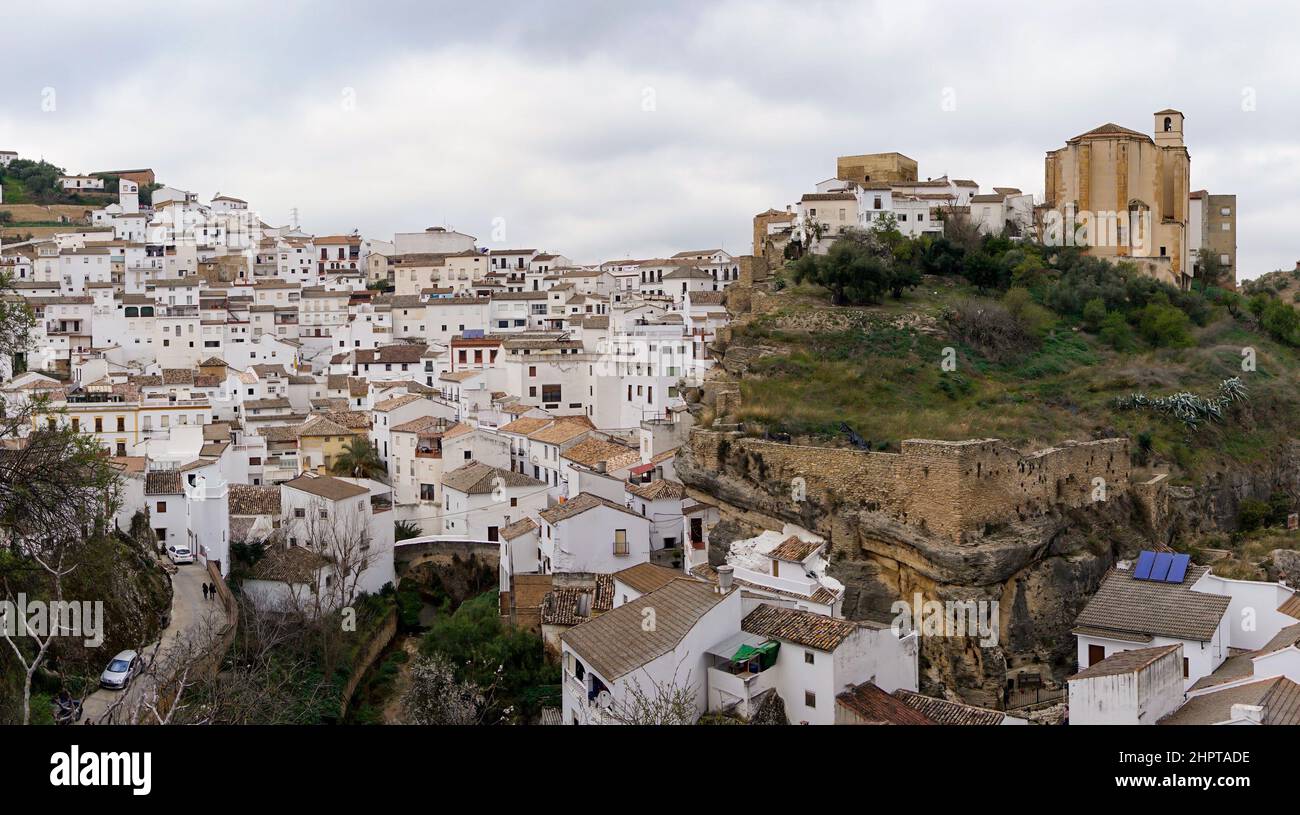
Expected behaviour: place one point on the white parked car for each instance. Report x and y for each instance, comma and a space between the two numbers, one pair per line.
120, 670
180, 554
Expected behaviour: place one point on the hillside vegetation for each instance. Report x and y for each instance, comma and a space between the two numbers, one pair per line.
1049, 346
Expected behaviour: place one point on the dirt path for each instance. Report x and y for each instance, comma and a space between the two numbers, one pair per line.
393, 709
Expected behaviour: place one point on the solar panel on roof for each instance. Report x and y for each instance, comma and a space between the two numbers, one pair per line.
1178, 569
473, 334
1145, 561
1161, 568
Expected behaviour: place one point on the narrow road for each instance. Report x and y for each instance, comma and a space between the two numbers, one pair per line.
188, 609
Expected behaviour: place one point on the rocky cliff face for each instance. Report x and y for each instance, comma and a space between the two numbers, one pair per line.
1040, 572
1212, 505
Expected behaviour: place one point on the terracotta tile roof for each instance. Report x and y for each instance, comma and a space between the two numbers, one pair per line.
1291, 607
800, 627
130, 464
279, 432
1288, 637
590, 452
658, 490
708, 298
266, 404
559, 432
328, 487
518, 529
1125, 662
943, 711
404, 352
793, 550
458, 429
829, 196
1111, 129
321, 426
354, 419
578, 505
524, 426
163, 482
574, 605
397, 402
246, 499
647, 577
1280, 698
422, 424
616, 643
875, 706
1128, 606
289, 564
477, 478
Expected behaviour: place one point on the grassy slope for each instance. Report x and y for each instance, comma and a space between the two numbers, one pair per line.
882, 375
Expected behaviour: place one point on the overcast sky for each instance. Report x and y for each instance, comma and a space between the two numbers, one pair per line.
606, 130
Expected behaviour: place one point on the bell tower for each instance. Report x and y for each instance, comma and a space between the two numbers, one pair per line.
1169, 128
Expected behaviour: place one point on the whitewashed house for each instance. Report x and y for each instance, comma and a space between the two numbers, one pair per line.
613, 658
591, 534
480, 500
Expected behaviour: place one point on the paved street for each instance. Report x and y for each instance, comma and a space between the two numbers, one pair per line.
188, 609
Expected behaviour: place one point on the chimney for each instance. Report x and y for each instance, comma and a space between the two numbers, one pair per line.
724, 577
600, 466
1250, 713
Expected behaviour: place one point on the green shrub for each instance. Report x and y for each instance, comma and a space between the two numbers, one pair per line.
1115, 332
1094, 312
1252, 514
1164, 326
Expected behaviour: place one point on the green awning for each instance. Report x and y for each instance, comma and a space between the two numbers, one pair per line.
766, 652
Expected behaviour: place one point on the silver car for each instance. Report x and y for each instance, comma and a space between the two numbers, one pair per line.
120, 670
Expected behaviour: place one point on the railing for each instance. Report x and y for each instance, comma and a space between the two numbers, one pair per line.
1031, 696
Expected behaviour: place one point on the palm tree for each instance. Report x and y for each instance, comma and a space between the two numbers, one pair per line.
359, 460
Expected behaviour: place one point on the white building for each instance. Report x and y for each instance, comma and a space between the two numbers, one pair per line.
480, 500
1140, 686
609, 660
592, 534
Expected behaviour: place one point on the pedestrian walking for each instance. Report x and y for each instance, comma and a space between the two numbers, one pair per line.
205, 591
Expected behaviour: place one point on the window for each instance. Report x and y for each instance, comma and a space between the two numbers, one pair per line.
808, 657
550, 393
620, 541
1186, 673
1096, 653
299, 512
121, 424
809, 699
162, 506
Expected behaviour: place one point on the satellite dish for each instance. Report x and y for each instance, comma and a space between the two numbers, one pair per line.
604, 700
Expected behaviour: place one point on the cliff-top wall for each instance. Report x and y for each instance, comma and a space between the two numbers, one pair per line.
946, 488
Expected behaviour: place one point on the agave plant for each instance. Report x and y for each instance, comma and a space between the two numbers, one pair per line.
1190, 409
